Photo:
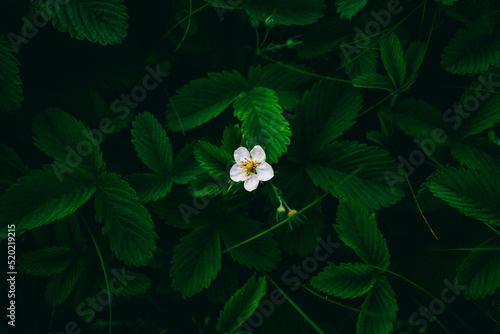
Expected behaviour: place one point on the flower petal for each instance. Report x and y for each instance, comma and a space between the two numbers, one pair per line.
258, 154
241, 154
237, 174
251, 182
265, 172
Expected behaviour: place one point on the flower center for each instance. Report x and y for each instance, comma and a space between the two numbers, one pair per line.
249, 166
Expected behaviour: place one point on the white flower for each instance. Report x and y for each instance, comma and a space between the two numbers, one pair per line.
251, 167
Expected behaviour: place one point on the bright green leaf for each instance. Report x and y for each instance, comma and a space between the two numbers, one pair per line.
348, 8
149, 187
392, 58
478, 153
263, 123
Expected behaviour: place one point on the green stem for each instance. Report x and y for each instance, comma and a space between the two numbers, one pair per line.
299, 310
103, 270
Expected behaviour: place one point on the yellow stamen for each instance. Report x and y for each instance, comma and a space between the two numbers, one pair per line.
248, 166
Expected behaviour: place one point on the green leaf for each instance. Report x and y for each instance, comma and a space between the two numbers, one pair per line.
134, 285
263, 123
127, 222
474, 49
67, 140
215, 161
329, 166
39, 199
151, 143
357, 228
288, 84
473, 193
178, 211
232, 139
203, 99
149, 187
11, 168
208, 185
479, 118
323, 115
392, 58
414, 57
11, 93
196, 261
241, 305
373, 80
478, 153
348, 8
364, 64
378, 312
69, 234
261, 254
185, 167
59, 287
479, 271
420, 119
386, 133
319, 39
103, 22
290, 12
347, 280
47, 261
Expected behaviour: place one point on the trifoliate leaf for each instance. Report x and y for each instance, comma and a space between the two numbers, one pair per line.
290, 12
215, 161
474, 49
473, 193
11, 168
232, 139
479, 271
323, 114
148, 186
392, 58
185, 167
11, 93
47, 261
151, 143
364, 64
67, 140
40, 198
347, 280
103, 22
203, 99
357, 228
373, 80
478, 153
127, 222
477, 117
261, 254
263, 123
348, 8
196, 261
59, 287
241, 305
330, 166
378, 312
